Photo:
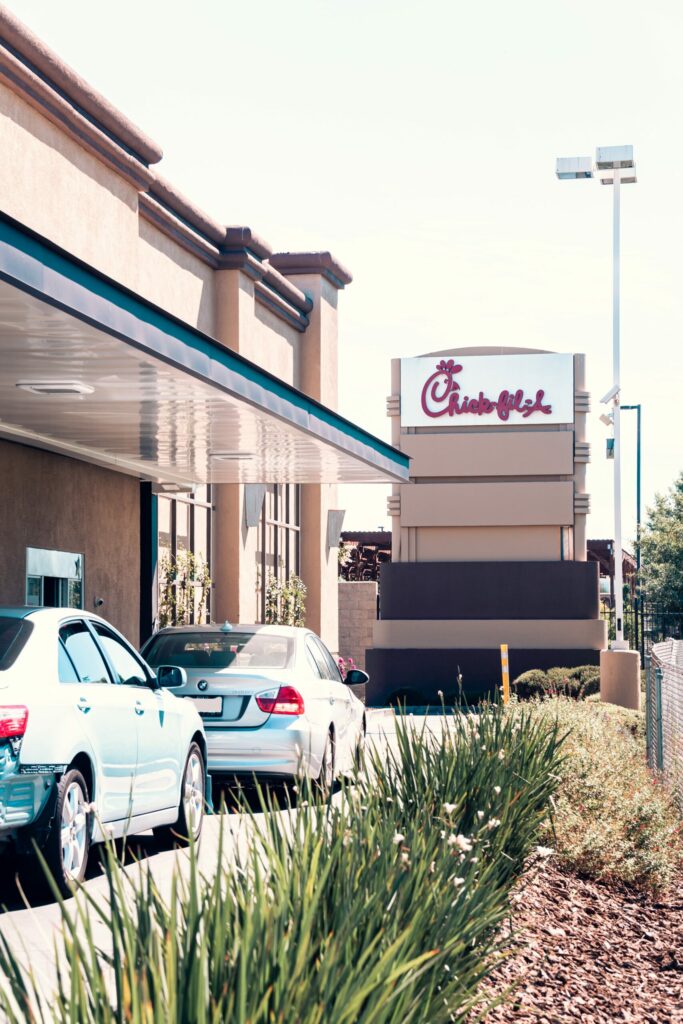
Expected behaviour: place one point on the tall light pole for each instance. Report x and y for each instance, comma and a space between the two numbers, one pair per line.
614, 166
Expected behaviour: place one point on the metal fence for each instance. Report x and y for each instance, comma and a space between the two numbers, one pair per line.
664, 711
645, 624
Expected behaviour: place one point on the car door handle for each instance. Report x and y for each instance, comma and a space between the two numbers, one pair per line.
83, 704
139, 708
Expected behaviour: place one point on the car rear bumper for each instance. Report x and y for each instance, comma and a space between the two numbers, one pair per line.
281, 747
23, 795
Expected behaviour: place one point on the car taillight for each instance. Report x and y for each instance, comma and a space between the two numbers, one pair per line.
13, 721
284, 701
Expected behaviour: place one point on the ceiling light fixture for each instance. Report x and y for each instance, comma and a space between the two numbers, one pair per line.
55, 387
231, 456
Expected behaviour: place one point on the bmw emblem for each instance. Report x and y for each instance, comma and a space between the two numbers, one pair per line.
202, 685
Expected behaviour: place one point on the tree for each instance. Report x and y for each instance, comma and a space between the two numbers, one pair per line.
662, 550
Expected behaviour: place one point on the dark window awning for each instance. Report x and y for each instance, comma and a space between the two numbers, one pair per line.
160, 399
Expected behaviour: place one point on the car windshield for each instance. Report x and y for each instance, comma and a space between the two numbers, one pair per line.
219, 650
13, 635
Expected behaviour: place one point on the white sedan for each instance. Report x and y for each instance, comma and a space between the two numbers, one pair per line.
272, 698
91, 743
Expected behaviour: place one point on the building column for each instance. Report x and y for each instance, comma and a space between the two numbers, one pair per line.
321, 278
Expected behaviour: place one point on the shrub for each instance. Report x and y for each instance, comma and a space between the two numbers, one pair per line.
614, 820
570, 682
382, 906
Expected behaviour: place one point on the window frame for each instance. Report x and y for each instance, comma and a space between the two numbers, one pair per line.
85, 682
146, 680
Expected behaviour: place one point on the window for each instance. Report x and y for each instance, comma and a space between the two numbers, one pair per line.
82, 649
67, 672
331, 668
126, 666
316, 654
184, 541
54, 578
13, 635
215, 651
279, 552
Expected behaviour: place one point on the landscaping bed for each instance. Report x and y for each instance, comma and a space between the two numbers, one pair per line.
585, 951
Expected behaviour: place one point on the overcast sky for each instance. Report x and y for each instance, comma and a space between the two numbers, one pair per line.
416, 141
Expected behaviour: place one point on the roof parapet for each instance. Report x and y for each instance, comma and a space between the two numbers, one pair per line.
293, 264
48, 66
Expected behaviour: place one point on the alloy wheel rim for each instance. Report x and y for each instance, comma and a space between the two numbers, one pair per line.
74, 831
193, 792
328, 765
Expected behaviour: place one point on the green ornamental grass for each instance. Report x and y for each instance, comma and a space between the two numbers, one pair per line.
381, 906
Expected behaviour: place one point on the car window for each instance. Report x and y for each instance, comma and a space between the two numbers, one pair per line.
331, 668
82, 650
317, 667
317, 655
67, 672
127, 668
209, 650
13, 635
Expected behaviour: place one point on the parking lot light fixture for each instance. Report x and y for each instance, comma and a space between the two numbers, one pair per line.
615, 166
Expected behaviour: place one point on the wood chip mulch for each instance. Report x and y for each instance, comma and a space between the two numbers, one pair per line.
583, 951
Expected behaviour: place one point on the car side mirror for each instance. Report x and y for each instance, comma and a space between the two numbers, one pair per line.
356, 677
171, 676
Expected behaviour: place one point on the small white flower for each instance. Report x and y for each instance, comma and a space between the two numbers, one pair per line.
432, 867
544, 851
496, 790
442, 833
480, 815
398, 838
493, 823
449, 808
295, 789
446, 968
405, 859
458, 881
475, 860
501, 755
439, 693
390, 799
462, 842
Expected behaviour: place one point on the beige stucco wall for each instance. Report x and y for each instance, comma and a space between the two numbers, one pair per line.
172, 278
519, 453
55, 187
478, 633
66, 505
488, 504
486, 543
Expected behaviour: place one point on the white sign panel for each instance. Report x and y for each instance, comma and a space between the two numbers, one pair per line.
476, 391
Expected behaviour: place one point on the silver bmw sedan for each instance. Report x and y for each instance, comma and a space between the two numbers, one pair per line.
272, 699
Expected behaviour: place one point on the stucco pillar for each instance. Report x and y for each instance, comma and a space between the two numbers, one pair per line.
320, 277
234, 545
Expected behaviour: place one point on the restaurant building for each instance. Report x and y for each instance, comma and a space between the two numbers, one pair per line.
168, 384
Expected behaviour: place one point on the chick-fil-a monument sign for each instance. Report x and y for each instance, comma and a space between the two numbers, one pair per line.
474, 391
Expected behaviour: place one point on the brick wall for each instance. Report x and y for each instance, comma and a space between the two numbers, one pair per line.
357, 615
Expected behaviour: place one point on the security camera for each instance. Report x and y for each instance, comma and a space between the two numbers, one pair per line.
611, 394
607, 418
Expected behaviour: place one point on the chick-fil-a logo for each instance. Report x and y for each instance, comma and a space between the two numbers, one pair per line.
441, 396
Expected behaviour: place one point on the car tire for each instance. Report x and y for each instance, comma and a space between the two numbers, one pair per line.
359, 756
188, 827
326, 776
68, 842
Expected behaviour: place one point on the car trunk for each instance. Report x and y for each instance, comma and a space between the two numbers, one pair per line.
226, 698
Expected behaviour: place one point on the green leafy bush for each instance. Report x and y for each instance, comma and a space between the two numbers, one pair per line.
382, 906
570, 682
614, 820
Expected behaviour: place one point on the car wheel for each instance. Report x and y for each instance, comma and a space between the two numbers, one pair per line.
68, 842
188, 827
359, 756
325, 780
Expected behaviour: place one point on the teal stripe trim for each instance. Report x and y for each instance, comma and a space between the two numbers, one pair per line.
35, 265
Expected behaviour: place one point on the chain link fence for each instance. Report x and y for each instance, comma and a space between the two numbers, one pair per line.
664, 711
